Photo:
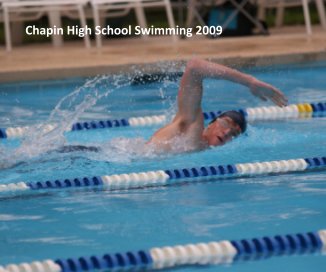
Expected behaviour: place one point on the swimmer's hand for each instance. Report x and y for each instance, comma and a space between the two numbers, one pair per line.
267, 92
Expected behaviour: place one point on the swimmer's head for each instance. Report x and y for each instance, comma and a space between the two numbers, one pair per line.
224, 128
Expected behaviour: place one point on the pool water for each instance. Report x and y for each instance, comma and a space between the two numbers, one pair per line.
73, 223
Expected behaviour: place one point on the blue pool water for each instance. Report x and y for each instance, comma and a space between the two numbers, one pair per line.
76, 223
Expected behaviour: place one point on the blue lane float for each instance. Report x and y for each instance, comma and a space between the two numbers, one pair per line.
3, 133
304, 110
100, 124
171, 176
211, 253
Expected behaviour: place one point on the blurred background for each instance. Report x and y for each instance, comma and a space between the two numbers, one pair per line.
238, 17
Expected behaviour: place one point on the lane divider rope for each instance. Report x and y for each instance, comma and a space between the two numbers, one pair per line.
305, 110
165, 177
212, 253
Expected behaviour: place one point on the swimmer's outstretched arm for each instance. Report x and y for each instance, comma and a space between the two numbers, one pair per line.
190, 92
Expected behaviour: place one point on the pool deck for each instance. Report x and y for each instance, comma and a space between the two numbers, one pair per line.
42, 61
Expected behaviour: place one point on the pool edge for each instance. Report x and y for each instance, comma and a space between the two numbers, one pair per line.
151, 67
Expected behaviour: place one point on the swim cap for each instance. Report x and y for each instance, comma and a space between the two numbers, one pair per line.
236, 117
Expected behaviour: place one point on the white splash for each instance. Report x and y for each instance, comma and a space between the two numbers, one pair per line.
69, 109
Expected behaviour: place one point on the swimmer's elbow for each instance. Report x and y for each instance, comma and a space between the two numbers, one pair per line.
194, 66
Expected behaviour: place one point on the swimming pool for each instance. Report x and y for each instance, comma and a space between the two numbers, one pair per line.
73, 223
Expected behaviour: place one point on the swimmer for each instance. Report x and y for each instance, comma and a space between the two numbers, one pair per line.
186, 132
187, 127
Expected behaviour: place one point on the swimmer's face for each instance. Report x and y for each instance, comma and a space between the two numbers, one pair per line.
221, 131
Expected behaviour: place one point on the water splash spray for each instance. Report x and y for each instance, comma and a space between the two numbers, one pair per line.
39, 140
